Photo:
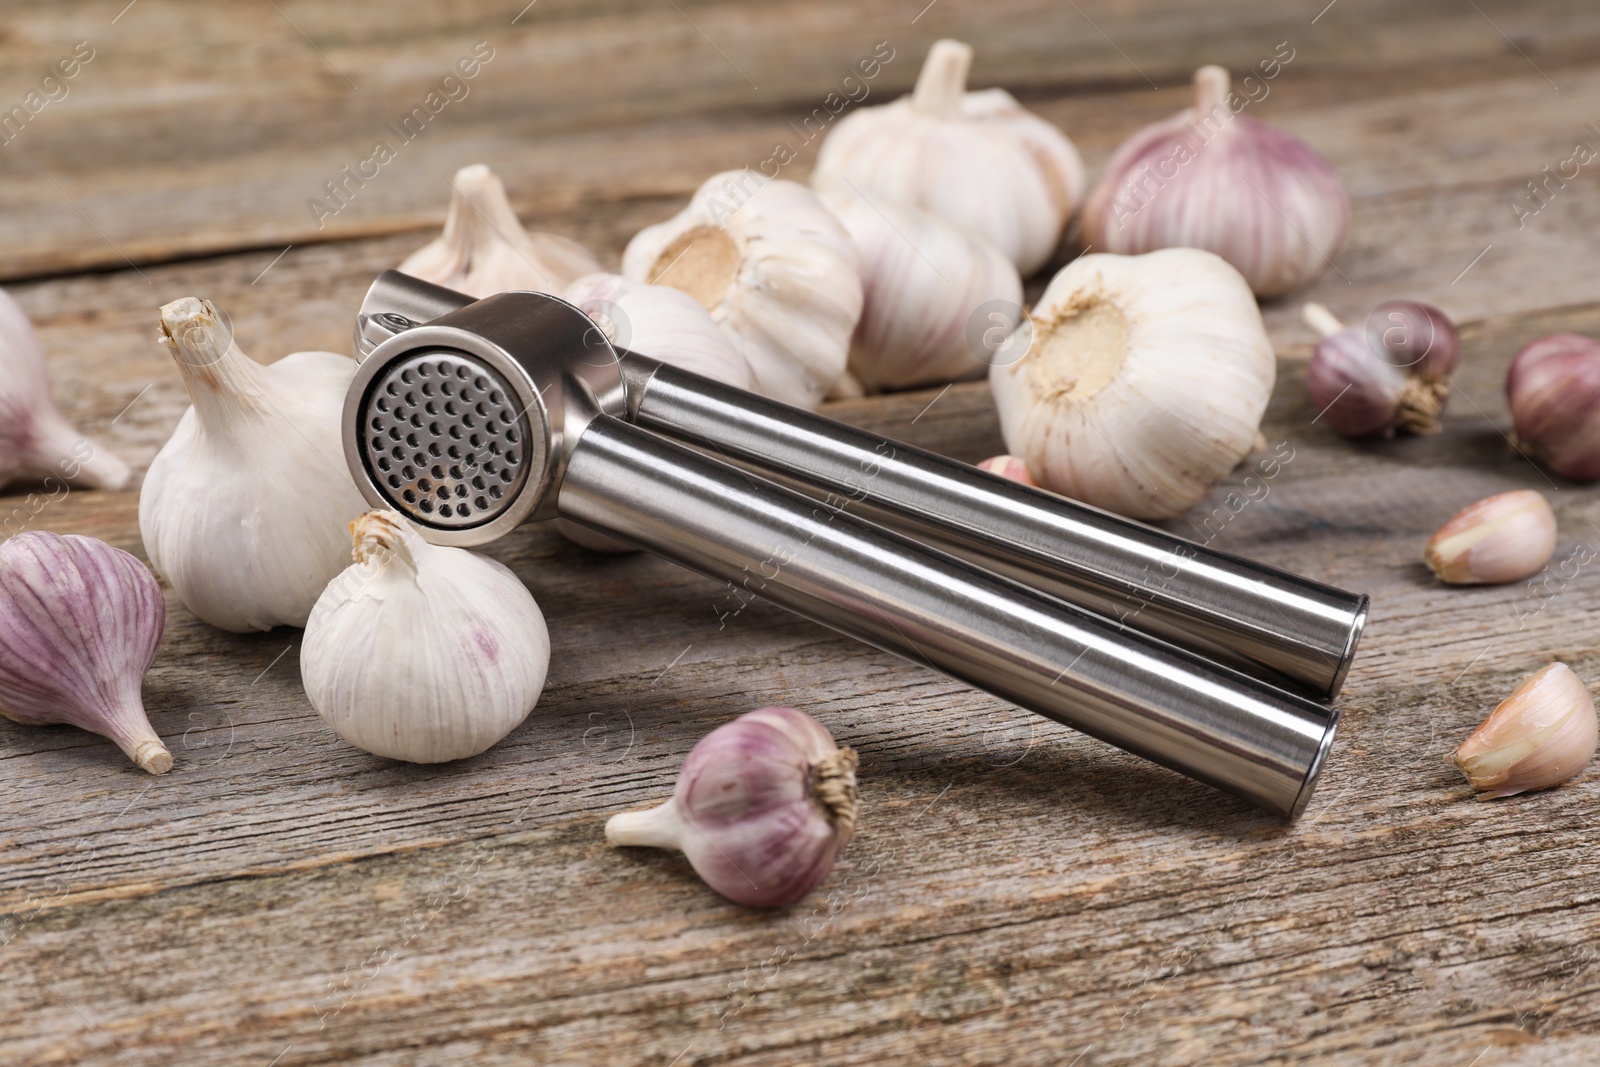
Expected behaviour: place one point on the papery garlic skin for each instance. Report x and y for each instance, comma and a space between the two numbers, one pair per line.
1144, 384
423, 653
763, 807
1553, 388
1501, 538
484, 249
774, 268
243, 509
36, 442
924, 281
1392, 374
1541, 735
80, 622
1208, 177
979, 160
661, 322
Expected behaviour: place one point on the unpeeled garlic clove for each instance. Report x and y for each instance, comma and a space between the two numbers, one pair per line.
80, 622
1539, 736
924, 281
1209, 177
1392, 374
36, 442
420, 652
484, 250
661, 322
244, 508
1501, 538
1553, 388
774, 268
1009, 467
978, 160
763, 806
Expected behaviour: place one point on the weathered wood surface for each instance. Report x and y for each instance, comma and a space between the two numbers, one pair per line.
1017, 893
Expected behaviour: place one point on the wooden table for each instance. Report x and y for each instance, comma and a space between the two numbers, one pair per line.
1017, 893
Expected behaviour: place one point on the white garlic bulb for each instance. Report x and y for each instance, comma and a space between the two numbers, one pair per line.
660, 322
420, 652
36, 442
1209, 177
244, 507
484, 250
926, 283
979, 160
776, 270
1144, 384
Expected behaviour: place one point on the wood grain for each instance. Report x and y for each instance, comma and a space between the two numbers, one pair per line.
1018, 893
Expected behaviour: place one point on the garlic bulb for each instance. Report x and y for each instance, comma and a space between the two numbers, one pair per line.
35, 441
763, 806
420, 652
1501, 538
1144, 384
1539, 736
1008, 467
1392, 375
244, 507
1211, 178
80, 622
660, 322
1554, 391
775, 269
484, 250
978, 160
926, 283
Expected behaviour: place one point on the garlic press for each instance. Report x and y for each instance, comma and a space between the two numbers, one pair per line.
472, 417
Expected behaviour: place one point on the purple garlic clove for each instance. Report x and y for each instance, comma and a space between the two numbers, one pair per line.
1393, 374
763, 806
80, 622
1554, 391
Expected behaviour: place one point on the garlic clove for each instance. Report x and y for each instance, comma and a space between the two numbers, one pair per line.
1553, 388
978, 160
925, 283
763, 807
661, 322
80, 622
1392, 375
1501, 538
484, 250
1009, 467
1209, 177
36, 442
774, 268
1144, 384
420, 652
243, 509
1541, 735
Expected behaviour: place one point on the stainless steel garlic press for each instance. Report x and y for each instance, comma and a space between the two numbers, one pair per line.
473, 417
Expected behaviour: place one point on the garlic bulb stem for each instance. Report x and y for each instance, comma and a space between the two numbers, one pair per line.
1212, 84
943, 80
1319, 318
657, 827
223, 383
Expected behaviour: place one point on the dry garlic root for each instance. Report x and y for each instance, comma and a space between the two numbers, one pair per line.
484, 250
35, 441
774, 268
1211, 178
1541, 735
243, 508
423, 653
1144, 384
978, 160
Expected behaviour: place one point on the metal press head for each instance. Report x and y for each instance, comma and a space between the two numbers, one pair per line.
463, 418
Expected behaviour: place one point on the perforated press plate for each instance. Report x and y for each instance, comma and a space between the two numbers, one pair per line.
444, 440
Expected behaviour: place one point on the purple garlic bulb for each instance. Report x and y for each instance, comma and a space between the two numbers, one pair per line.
763, 806
1553, 388
80, 622
1393, 374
